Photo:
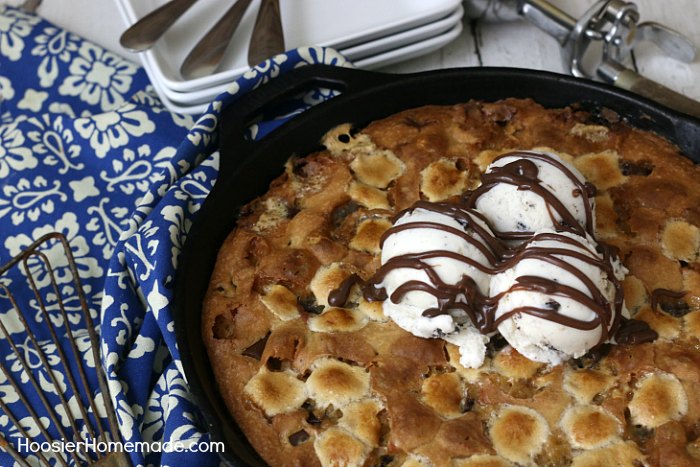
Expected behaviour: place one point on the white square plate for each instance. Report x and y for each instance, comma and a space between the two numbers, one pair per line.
334, 23
366, 50
374, 61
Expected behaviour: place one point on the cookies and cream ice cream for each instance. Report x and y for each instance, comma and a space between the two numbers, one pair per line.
557, 297
434, 254
526, 191
517, 256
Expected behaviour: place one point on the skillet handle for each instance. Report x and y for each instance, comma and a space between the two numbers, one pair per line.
237, 117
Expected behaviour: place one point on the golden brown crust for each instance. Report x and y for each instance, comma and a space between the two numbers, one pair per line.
313, 384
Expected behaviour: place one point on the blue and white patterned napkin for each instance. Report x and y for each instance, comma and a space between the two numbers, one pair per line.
88, 150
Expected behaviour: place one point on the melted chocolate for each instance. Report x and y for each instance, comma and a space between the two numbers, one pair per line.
657, 295
593, 356
482, 309
523, 173
634, 331
607, 314
464, 295
339, 296
482, 238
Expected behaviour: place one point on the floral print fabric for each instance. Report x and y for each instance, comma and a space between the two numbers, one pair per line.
88, 150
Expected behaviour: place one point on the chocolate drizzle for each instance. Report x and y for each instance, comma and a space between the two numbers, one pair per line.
482, 309
465, 295
339, 296
657, 295
483, 240
523, 173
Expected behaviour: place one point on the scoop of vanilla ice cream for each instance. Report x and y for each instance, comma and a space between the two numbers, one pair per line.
408, 311
538, 338
511, 209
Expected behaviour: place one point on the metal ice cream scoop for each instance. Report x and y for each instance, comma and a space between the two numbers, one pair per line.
599, 44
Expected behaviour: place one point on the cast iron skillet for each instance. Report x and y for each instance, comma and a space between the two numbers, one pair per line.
247, 168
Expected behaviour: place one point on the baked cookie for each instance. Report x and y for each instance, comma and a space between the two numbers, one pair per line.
311, 383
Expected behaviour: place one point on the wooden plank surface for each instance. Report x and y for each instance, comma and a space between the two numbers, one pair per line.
519, 44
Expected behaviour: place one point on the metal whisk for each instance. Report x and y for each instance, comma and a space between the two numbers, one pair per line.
47, 334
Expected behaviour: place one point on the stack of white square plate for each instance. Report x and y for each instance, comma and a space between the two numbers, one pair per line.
370, 33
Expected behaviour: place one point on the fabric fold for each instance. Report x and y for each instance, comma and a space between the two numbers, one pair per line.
88, 150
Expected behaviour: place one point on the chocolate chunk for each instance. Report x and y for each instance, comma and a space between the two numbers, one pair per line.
640, 434
295, 439
309, 305
298, 167
274, 364
593, 356
462, 164
636, 168
256, 350
675, 308
634, 331
466, 404
292, 211
341, 212
670, 302
312, 419
497, 342
223, 326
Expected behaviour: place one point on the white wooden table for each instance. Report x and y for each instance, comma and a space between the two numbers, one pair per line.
516, 44
519, 44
